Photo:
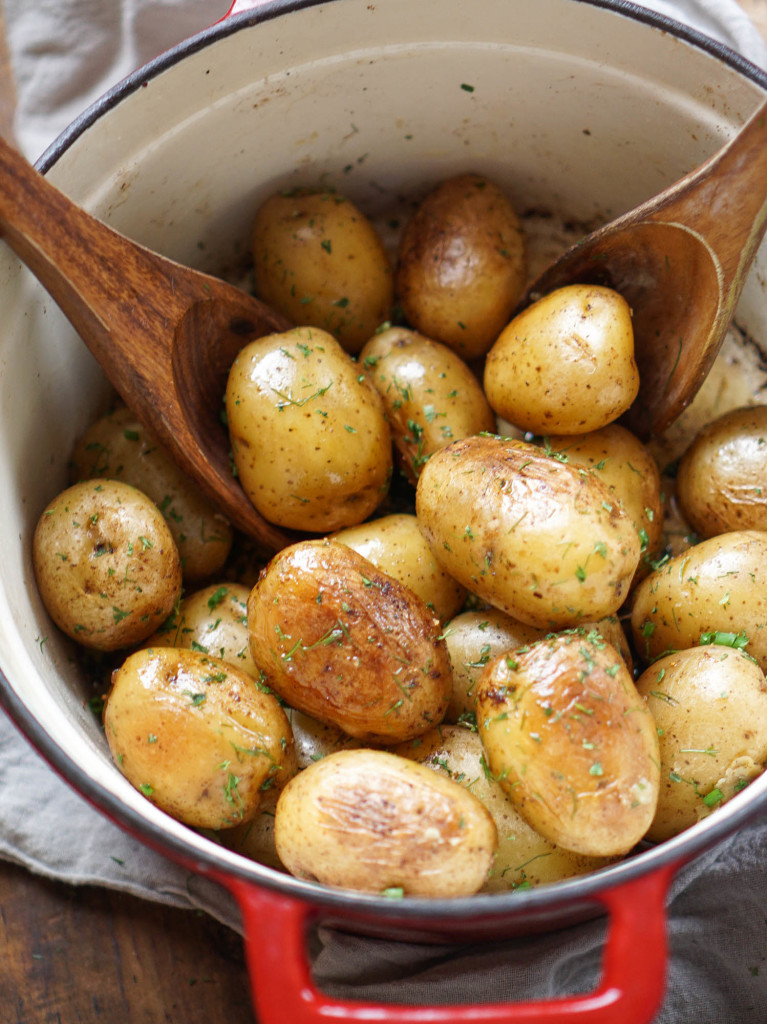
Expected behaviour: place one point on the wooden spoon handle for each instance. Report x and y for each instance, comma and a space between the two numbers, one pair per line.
726, 200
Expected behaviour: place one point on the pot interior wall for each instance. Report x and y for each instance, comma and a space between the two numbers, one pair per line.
577, 110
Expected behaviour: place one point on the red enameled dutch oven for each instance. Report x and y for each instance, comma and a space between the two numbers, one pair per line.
579, 107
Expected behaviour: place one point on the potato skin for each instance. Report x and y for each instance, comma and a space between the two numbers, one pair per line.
118, 446
430, 395
473, 639
572, 743
462, 264
395, 544
347, 644
371, 821
720, 483
710, 706
106, 565
628, 469
196, 735
718, 585
309, 436
213, 620
318, 260
543, 541
565, 364
524, 858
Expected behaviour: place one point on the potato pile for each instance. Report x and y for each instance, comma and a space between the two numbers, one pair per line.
432, 693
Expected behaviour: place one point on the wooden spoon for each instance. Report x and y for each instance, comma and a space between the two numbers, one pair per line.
164, 335
680, 260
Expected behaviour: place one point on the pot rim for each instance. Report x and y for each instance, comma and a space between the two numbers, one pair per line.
671, 854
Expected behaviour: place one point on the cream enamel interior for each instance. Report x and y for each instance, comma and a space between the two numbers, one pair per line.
574, 108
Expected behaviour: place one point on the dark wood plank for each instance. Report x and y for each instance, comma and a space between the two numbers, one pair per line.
91, 956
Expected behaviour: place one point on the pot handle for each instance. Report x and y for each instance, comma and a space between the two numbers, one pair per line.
631, 989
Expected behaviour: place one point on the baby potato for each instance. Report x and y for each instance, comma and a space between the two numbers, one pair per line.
314, 740
347, 644
523, 858
255, 838
544, 541
107, 569
473, 639
717, 586
213, 620
462, 264
430, 395
620, 459
572, 743
565, 365
710, 708
196, 735
319, 261
395, 544
309, 436
117, 446
374, 822
720, 483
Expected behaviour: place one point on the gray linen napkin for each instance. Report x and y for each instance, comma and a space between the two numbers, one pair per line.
65, 53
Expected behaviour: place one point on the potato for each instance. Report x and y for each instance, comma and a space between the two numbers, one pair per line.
347, 644
213, 620
626, 466
395, 544
430, 395
117, 446
107, 569
473, 639
314, 740
570, 740
309, 436
462, 264
196, 736
318, 260
710, 708
717, 586
543, 541
720, 483
374, 822
255, 838
523, 858
565, 365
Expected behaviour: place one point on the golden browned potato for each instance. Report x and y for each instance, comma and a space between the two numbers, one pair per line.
710, 708
720, 585
347, 644
319, 261
314, 739
462, 264
570, 740
117, 446
309, 437
523, 858
196, 735
430, 395
214, 621
371, 821
106, 566
720, 484
473, 639
544, 541
565, 365
395, 544
628, 469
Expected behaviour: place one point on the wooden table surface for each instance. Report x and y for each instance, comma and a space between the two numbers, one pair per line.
90, 956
